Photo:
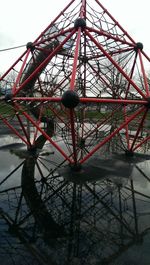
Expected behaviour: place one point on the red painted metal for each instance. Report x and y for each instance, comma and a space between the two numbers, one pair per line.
40, 99
102, 123
144, 75
44, 63
131, 74
20, 73
12, 66
83, 9
139, 129
83, 100
54, 21
23, 129
116, 39
141, 143
102, 64
115, 21
115, 64
15, 131
36, 125
108, 138
109, 100
75, 62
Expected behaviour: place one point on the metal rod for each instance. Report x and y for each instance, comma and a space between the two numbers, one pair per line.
20, 72
141, 143
139, 129
115, 64
115, 101
84, 100
74, 70
110, 36
45, 62
11, 68
116, 22
131, 75
14, 130
144, 74
23, 128
109, 137
53, 22
46, 136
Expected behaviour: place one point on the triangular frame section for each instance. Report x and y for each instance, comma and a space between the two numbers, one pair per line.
83, 63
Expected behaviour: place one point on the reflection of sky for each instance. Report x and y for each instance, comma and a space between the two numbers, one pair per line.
8, 162
141, 183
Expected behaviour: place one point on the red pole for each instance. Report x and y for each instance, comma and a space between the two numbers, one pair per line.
83, 9
141, 143
14, 130
139, 129
128, 87
37, 99
45, 135
144, 75
110, 36
23, 128
20, 72
53, 22
145, 55
45, 62
115, 21
11, 68
84, 100
103, 79
103, 122
72, 87
109, 137
131, 75
115, 101
74, 70
115, 64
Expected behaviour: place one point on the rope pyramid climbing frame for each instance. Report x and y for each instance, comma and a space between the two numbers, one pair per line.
80, 90
82, 81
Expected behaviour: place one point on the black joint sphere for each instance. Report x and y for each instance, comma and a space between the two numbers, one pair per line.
80, 23
138, 46
70, 99
30, 46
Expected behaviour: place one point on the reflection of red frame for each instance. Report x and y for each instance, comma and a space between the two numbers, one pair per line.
125, 45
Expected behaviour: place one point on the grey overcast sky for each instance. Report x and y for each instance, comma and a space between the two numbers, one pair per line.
23, 21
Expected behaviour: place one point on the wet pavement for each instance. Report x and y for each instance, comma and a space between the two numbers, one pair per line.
47, 218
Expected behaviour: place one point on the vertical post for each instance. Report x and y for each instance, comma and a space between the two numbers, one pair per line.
74, 70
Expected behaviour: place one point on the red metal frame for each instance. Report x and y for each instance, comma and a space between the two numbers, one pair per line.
100, 65
111, 135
